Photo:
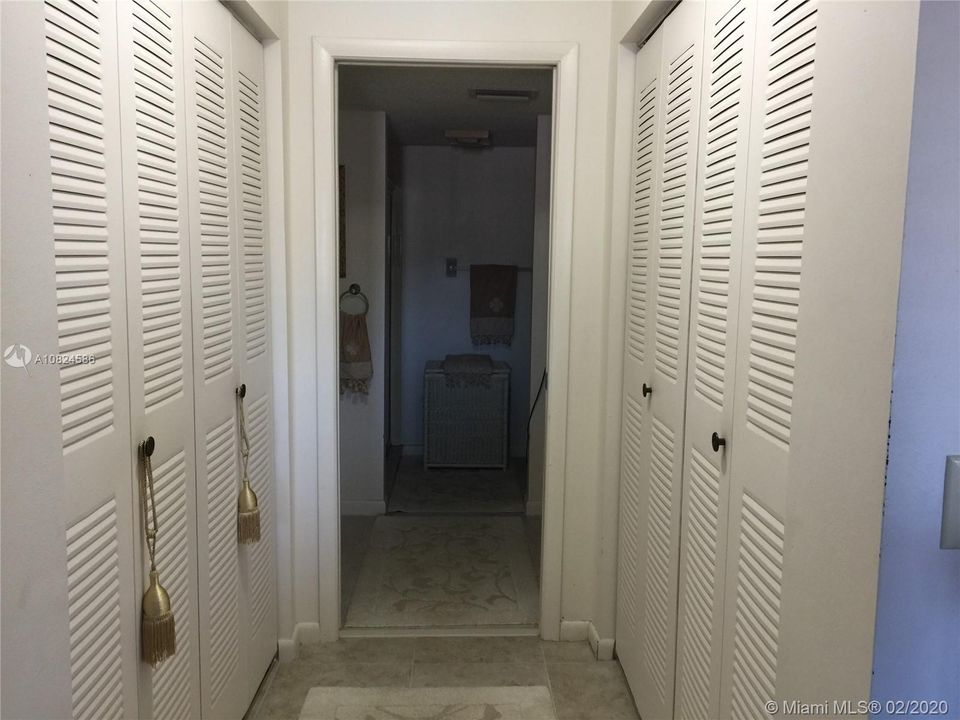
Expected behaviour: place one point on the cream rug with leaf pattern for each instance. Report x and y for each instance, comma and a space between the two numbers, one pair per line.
445, 571
483, 703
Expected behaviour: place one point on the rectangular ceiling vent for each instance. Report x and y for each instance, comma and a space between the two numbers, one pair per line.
488, 95
468, 138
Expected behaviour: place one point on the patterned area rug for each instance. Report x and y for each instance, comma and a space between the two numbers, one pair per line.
442, 571
454, 491
482, 703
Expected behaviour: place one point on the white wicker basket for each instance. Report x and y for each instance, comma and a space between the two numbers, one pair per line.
465, 425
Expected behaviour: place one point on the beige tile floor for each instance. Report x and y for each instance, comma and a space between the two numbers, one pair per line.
355, 534
582, 687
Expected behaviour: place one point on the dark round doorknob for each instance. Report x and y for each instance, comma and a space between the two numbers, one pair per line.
717, 442
647, 389
148, 446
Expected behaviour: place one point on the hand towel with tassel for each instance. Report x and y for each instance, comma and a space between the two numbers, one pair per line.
493, 300
356, 367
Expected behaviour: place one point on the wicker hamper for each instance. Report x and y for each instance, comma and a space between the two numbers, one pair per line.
465, 425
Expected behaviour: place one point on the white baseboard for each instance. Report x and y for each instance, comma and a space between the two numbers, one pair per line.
602, 647
580, 630
574, 630
362, 507
534, 507
286, 650
303, 634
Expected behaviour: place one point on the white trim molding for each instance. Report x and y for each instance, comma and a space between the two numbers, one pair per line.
586, 631
574, 630
563, 57
602, 647
303, 634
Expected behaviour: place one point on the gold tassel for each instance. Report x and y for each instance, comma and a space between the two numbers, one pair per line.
248, 509
248, 515
158, 632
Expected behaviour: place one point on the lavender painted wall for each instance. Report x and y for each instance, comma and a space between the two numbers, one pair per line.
917, 647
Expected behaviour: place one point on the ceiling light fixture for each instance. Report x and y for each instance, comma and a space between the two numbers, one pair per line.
503, 95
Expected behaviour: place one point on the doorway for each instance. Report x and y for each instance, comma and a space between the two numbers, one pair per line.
443, 232
562, 57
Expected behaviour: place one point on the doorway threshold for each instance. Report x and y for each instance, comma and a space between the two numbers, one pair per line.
446, 631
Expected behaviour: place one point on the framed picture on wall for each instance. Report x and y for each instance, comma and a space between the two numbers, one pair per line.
342, 215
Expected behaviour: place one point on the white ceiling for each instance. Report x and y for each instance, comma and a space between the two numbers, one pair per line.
423, 102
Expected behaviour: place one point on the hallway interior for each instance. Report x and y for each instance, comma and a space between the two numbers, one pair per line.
454, 550
581, 687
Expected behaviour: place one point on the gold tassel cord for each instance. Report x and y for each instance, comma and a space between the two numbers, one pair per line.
248, 509
158, 633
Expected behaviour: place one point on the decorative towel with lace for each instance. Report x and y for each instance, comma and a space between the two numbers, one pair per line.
493, 299
467, 370
356, 368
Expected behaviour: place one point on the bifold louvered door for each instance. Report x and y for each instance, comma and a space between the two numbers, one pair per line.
717, 246
637, 360
216, 329
87, 254
799, 184
667, 117
825, 188
135, 302
159, 300
760, 435
258, 561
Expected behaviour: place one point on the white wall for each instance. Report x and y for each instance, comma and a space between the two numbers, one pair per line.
476, 206
588, 24
363, 153
917, 646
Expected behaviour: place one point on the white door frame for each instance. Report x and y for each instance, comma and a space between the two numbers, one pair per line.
562, 56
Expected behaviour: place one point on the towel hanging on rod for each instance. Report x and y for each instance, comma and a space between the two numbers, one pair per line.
356, 365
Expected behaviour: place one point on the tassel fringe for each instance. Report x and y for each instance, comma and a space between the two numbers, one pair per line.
248, 526
158, 638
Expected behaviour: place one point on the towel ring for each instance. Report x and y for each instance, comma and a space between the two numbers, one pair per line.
354, 290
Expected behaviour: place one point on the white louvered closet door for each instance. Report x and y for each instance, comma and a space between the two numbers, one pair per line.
656, 464
770, 306
161, 360
216, 323
258, 560
825, 190
88, 256
715, 295
638, 360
